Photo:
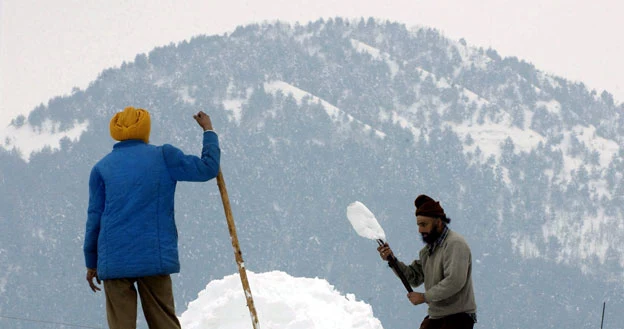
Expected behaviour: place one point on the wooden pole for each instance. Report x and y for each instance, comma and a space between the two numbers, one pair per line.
237, 252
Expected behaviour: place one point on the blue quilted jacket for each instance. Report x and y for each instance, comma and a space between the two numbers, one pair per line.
131, 229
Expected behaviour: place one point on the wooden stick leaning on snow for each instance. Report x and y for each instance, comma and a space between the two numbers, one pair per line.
237, 252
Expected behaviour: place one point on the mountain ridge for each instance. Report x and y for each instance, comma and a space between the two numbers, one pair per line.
295, 158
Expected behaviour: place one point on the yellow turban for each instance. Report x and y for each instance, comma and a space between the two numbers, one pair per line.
131, 123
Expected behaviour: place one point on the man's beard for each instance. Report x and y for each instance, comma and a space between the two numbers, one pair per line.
431, 237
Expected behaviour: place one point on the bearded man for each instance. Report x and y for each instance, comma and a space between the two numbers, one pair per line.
444, 266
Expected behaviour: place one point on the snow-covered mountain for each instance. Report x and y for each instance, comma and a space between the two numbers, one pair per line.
313, 117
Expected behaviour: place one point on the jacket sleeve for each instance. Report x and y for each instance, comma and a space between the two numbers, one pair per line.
193, 168
456, 265
413, 272
94, 215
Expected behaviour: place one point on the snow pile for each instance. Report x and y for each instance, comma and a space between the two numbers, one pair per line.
282, 302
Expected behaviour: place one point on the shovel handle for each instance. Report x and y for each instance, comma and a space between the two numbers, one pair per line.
392, 262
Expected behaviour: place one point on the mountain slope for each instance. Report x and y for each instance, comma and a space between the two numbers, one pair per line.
313, 117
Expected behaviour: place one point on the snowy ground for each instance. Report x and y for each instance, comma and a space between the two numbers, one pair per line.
282, 302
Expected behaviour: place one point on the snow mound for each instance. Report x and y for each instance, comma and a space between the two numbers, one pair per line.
282, 302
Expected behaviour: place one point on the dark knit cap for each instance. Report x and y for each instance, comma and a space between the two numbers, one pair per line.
426, 206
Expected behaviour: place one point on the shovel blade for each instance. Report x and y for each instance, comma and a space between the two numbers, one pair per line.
364, 222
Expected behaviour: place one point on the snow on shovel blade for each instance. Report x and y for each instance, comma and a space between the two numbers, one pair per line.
364, 222
366, 225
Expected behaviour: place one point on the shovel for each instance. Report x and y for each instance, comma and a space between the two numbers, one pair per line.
366, 226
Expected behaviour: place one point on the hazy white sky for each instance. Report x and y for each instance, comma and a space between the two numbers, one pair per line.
48, 47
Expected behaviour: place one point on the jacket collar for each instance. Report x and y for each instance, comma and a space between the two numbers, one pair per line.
127, 143
432, 247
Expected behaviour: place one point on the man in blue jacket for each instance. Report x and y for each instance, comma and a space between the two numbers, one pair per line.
131, 236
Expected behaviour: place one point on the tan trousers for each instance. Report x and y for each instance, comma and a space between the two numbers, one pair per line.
156, 298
